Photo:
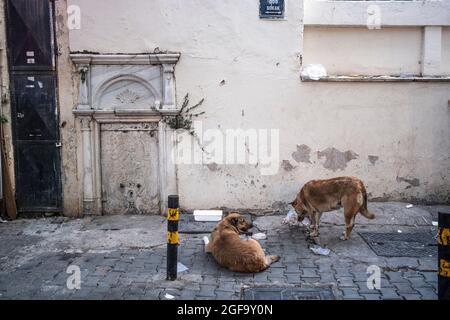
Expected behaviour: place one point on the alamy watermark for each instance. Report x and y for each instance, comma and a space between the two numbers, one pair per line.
74, 17
74, 280
373, 17
374, 279
257, 147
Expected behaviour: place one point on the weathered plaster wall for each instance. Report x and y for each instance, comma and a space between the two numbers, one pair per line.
385, 51
67, 95
395, 136
445, 50
5, 96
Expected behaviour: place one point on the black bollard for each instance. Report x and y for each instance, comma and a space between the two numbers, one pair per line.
173, 213
444, 256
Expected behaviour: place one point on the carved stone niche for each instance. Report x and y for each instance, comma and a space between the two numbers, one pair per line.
127, 165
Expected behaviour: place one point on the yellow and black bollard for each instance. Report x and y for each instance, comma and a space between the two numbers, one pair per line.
173, 213
444, 256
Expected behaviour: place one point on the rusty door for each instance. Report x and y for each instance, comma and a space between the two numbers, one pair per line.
34, 116
129, 166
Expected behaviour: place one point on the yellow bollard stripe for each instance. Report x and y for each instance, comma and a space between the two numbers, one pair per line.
444, 236
173, 214
172, 237
444, 268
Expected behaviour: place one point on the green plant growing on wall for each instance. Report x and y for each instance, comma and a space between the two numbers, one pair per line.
183, 120
3, 119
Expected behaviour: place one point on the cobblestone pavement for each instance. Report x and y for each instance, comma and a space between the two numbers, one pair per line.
123, 257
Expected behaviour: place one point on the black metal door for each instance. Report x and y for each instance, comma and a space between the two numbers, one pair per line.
34, 113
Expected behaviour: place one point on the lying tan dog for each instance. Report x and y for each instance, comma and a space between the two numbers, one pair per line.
231, 252
318, 196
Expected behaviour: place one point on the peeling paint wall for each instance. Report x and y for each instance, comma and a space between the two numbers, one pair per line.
67, 97
5, 102
394, 136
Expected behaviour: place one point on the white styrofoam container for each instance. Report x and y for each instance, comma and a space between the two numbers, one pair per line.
208, 215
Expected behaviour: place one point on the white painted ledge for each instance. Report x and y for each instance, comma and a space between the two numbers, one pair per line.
391, 13
126, 59
347, 78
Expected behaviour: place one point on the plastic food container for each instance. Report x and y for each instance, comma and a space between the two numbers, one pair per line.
208, 215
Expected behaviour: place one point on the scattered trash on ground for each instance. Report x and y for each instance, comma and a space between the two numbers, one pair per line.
208, 215
205, 240
259, 236
169, 296
181, 267
291, 218
434, 223
306, 222
409, 206
320, 250
2, 221
399, 231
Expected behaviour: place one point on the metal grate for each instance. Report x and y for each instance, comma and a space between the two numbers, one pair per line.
401, 244
287, 293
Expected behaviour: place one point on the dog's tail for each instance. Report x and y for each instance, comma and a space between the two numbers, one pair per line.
274, 258
271, 259
363, 210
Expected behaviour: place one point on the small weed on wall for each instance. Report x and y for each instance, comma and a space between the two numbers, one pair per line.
183, 120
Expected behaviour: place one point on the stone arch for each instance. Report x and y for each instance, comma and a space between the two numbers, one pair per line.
128, 95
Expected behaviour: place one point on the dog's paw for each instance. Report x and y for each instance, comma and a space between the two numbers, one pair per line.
343, 238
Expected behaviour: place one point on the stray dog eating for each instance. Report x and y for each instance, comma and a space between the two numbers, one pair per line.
234, 253
319, 196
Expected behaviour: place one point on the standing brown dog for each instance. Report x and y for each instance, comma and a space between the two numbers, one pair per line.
318, 196
231, 252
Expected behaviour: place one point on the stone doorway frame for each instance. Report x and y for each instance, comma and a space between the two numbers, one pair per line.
90, 120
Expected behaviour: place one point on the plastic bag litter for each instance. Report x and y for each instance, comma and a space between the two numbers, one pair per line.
291, 218
305, 222
181, 267
259, 236
313, 72
409, 206
169, 296
319, 250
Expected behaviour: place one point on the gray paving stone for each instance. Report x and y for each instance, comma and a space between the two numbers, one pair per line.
419, 283
309, 273
404, 288
351, 293
372, 296
345, 282
207, 291
408, 296
390, 294
396, 276
363, 289
427, 293
225, 295
430, 277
